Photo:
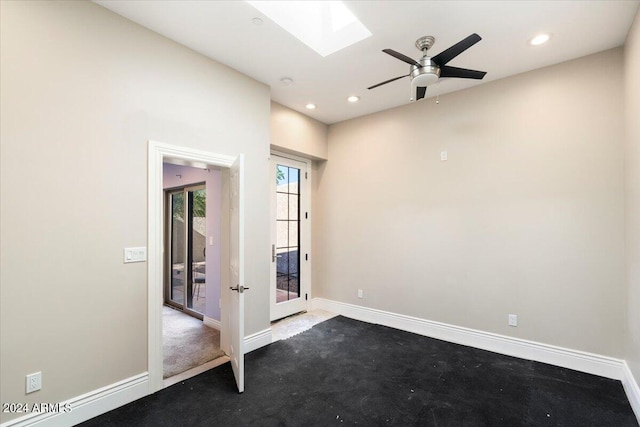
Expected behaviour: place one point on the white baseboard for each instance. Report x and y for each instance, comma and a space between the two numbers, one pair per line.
88, 405
631, 388
257, 340
211, 322
604, 366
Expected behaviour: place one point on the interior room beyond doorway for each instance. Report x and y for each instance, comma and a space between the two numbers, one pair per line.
192, 271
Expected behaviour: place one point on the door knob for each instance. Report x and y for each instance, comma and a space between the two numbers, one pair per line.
238, 288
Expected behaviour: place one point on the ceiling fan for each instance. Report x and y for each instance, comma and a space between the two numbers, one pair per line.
426, 71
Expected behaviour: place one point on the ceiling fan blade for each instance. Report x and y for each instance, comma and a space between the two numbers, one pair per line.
402, 57
461, 73
445, 56
388, 81
420, 91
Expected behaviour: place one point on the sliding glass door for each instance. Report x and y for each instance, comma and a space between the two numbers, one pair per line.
186, 249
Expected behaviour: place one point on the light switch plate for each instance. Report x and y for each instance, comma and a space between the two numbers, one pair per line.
138, 254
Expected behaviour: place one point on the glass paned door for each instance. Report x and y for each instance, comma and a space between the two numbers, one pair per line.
290, 233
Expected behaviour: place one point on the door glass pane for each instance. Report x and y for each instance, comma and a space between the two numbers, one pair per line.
283, 212
198, 233
177, 248
288, 231
282, 228
282, 275
293, 206
294, 175
293, 235
282, 179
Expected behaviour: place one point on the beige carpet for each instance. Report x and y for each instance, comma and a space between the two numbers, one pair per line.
186, 342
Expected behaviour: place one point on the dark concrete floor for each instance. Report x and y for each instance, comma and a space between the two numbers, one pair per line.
343, 371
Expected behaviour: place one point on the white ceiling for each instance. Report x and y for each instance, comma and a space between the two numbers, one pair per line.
224, 31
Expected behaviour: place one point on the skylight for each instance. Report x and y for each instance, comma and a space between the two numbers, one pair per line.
324, 26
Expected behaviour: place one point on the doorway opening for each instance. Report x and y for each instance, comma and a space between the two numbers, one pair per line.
231, 257
191, 316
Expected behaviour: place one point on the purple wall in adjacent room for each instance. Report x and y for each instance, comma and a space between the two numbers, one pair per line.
180, 176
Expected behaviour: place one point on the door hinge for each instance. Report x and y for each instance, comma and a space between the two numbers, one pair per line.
306, 257
306, 176
306, 297
306, 215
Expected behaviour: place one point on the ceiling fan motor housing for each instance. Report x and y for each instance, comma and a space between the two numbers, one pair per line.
425, 75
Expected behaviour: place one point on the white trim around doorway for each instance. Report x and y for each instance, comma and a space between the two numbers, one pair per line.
159, 153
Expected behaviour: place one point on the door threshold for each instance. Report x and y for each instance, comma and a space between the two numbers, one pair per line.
286, 317
194, 371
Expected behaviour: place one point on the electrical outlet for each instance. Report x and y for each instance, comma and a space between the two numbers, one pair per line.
360, 293
513, 320
34, 382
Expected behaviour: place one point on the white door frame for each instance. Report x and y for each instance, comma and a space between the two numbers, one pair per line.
159, 153
305, 230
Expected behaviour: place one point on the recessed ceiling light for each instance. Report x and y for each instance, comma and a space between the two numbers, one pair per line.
539, 39
286, 81
311, 106
353, 98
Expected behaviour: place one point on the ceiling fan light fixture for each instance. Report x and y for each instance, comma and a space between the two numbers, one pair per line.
539, 39
353, 98
424, 80
426, 75
310, 106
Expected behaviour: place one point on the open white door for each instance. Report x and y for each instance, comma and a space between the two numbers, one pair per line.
236, 259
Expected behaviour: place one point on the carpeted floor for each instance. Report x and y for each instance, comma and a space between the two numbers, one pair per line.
186, 342
343, 371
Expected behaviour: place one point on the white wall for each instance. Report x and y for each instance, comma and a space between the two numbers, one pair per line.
632, 196
82, 90
296, 133
525, 217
